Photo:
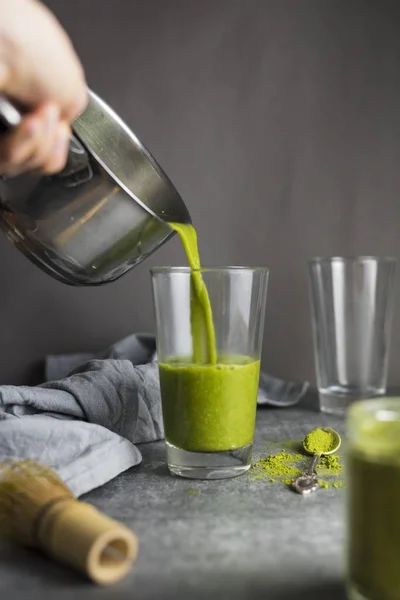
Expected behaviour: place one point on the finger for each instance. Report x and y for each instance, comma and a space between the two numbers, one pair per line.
41, 151
29, 145
58, 154
76, 105
17, 146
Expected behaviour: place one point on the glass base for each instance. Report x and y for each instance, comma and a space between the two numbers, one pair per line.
338, 404
209, 465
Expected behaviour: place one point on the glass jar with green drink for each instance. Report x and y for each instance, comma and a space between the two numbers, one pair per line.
209, 337
373, 489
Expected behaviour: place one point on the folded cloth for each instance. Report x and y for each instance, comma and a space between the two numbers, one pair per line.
85, 420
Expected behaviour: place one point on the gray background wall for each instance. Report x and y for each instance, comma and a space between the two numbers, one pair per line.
279, 122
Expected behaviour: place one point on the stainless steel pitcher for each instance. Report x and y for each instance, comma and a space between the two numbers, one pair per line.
103, 214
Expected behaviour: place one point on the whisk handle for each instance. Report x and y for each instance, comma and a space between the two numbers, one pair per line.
77, 534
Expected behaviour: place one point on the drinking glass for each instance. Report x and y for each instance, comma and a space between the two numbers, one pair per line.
373, 499
209, 409
352, 307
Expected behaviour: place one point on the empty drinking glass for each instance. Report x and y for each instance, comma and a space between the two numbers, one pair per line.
352, 308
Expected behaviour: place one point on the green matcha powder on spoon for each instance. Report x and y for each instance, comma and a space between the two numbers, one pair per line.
319, 442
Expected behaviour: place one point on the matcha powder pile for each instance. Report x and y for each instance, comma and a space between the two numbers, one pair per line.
281, 466
285, 466
319, 441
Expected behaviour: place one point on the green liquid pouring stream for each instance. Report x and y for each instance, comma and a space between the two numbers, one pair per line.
201, 318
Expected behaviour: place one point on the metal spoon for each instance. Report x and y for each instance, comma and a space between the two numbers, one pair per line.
308, 481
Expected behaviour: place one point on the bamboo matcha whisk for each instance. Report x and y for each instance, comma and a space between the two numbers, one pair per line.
38, 510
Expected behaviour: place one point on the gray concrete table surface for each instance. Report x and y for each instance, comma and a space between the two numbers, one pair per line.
237, 538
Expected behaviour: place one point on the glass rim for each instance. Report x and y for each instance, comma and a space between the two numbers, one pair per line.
352, 259
155, 270
384, 408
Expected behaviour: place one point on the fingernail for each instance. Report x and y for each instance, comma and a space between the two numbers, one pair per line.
52, 116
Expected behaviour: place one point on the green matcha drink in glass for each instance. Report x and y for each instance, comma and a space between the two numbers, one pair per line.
373, 490
209, 335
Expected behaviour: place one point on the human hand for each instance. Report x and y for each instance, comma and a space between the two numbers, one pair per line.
41, 71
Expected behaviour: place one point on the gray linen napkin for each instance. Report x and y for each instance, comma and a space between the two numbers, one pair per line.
86, 419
